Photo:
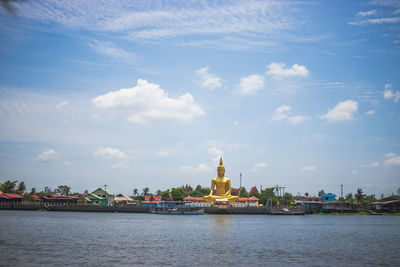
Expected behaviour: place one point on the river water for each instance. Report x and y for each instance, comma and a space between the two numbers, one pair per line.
30, 238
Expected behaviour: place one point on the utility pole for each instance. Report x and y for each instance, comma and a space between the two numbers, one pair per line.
341, 191
105, 193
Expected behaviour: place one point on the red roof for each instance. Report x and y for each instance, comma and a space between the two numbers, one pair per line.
35, 197
243, 199
199, 199
152, 198
253, 190
57, 196
12, 195
188, 198
253, 199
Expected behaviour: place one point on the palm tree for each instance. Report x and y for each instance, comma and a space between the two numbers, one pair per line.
135, 191
359, 195
146, 190
21, 188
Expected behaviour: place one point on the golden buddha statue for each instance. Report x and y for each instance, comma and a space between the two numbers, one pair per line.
222, 192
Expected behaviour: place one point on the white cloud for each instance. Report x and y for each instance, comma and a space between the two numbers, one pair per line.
215, 154
119, 165
62, 104
278, 71
202, 167
109, 153
297, 119
47, 155
370, 112
236, 123
343, 111
366, 13
147, 102
208, 80
154, 20
389, 93
249, 85
375, 21
354, 171
309, 168
393, 160
389, 155
280, 113
371, 165
258, 167
110, 50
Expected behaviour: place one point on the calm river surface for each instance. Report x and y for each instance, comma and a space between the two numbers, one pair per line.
29, 238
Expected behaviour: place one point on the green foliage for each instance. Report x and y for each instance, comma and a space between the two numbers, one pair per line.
33, 191
243, 192
288, 199
64, 190
21, 188
267, 194
9, 186
178, 194
359, 196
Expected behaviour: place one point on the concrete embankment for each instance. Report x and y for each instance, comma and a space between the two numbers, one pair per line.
78, 208
141, 209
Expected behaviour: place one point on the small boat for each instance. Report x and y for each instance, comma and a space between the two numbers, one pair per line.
176, 208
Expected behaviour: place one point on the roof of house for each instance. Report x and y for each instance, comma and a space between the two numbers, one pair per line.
35, 197
188, 198
199, 198
328, 195
253, 190
152, 198
385, 202
12, 196
122, 197
93, 196
102, 189
253, 199
243, 199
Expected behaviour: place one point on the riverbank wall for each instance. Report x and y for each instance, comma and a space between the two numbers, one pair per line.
142, 209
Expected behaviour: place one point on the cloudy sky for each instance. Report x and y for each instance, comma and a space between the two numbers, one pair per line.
150, 93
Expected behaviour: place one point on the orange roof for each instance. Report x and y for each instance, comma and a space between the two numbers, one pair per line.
199, 198
188, 198
152, 198
253, 199
243, 199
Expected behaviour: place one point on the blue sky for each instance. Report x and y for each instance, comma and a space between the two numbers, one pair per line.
151, 93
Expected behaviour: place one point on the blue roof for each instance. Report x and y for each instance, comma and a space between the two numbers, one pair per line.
328, 195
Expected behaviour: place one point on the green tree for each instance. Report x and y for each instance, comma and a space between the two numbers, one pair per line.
349, 197
21, 188
178, 194
267, 194
64, 189
243, 192
165, 194
135, 192
8, 186
359, 195
146, 190
33, 191
288, 198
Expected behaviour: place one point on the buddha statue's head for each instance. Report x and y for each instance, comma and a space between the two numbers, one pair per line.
221, 168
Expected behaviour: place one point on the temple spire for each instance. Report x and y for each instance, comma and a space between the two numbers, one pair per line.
221, 163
